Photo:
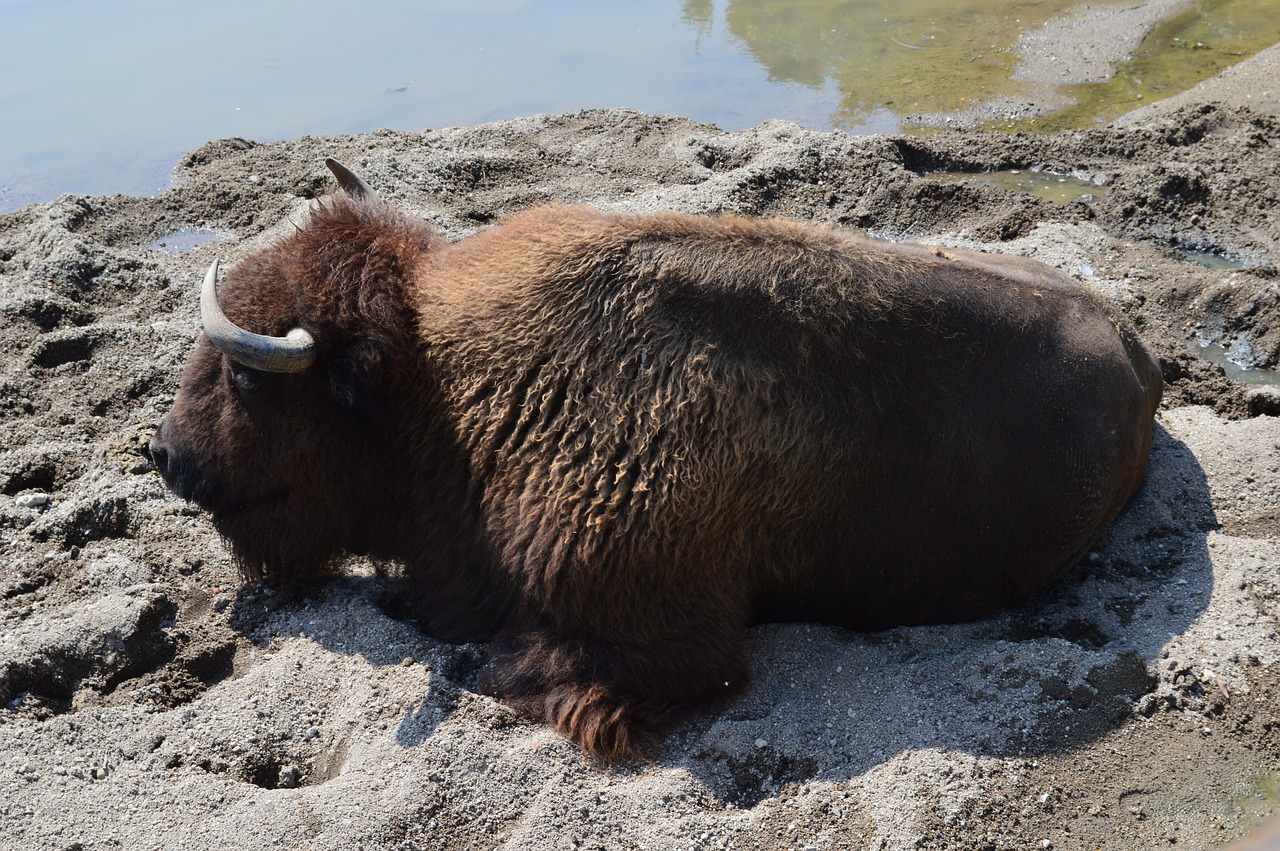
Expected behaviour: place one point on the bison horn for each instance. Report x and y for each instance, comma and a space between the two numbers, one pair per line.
350, 183
293, 352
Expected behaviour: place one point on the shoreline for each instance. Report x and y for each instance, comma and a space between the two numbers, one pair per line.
148, 700
1087, 44
1083, 43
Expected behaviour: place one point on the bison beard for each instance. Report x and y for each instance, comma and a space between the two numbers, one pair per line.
608, 443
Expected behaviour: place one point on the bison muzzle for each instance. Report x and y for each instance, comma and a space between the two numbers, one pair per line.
608, 443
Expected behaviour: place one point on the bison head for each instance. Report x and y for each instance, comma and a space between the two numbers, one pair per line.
285, 427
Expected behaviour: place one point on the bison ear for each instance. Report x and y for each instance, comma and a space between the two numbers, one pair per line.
356, 377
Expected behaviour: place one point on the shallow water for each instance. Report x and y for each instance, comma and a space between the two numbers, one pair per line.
1259, 801
1196, 45
1213, 260
1045, 185
1233, 362
100, 98
183, 240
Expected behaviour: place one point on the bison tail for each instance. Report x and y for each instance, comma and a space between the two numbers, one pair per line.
606, 726
612, 698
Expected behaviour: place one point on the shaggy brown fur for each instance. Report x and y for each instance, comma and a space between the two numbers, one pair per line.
609, 443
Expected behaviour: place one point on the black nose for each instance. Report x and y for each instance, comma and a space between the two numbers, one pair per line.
160, 456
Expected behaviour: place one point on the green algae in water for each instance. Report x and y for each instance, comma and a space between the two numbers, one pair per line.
1261, 800
1045, 185
1212, 260
904, 57
896, 56
1184, 51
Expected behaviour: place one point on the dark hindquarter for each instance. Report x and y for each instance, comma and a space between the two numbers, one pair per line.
970, 499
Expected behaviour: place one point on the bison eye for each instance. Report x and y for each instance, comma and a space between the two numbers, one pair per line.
247, 382
257, 391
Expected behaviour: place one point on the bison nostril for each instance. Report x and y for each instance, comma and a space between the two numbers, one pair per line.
160, 457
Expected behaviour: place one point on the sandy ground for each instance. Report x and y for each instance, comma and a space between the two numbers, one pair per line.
148, 700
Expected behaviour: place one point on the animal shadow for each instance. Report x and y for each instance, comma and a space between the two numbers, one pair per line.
1064, 669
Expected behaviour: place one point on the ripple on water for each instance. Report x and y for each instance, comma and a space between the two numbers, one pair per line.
921, 35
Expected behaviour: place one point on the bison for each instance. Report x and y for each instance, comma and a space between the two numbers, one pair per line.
608, 443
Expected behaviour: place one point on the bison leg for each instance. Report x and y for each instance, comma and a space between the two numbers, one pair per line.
611, 698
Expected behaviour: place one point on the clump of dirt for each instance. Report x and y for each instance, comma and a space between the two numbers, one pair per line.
147, 698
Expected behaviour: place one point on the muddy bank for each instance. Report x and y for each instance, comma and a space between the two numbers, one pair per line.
148, 700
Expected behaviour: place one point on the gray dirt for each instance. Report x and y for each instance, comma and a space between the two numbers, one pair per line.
149, 700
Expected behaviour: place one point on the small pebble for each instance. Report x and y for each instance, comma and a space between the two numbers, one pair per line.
290, 777
32, 500
762, 743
